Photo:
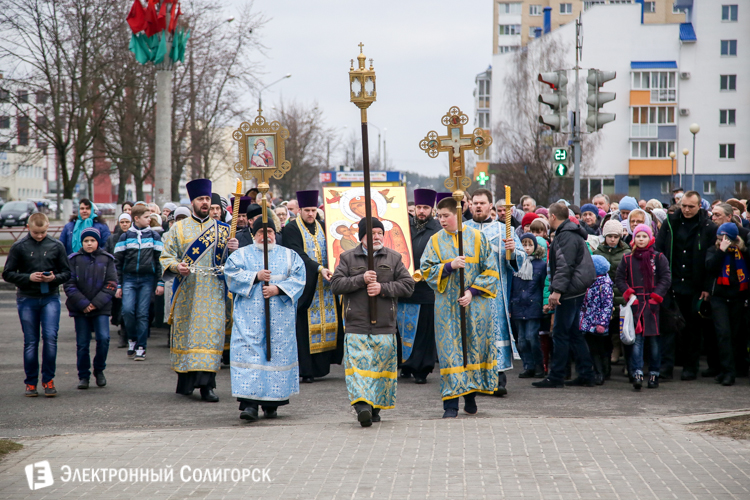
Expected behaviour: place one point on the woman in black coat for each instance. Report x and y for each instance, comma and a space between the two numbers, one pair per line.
644, 273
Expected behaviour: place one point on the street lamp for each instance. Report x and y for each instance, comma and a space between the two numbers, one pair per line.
671, 171
260, 92
694, 129
685, 152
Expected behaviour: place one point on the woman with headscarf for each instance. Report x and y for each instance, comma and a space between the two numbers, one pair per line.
71, 233
635, 218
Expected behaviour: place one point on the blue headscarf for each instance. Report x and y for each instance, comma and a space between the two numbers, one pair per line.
82, 224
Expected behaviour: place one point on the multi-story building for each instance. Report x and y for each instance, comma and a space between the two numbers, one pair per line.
517, 22
669, 76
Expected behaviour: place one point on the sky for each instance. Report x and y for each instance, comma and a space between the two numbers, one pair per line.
426, 56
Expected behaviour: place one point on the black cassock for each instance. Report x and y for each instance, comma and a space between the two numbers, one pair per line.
319, 364
424, 352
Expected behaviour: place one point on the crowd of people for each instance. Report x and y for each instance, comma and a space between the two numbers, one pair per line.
264, 303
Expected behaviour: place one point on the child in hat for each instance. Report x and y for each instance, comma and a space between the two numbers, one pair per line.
596, 313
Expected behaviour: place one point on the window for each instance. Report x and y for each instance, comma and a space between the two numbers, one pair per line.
728, 12
676, 9
566, 8
41, 97
662, 84
645, 120
504, 49
509, 8
665, 187
535, 10
483, 94
4, 121
727, 116
483, 119
740, 187
23, 130
729, 47
726, 151
588, 5
728, 82
23, 96
651, 149
510, 29
649, 7
709, 187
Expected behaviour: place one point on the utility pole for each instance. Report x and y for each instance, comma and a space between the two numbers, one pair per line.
575, 128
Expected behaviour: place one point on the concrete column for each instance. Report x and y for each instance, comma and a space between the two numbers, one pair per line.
163, 160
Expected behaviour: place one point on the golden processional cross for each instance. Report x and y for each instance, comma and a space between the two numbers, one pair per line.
456, 142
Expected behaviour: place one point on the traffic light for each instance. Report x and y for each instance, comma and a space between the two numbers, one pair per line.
558, 100
560, 162
596, 99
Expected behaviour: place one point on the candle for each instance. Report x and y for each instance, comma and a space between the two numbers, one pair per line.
508, 206
238, 191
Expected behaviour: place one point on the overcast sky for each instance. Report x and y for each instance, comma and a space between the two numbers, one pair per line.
426, 55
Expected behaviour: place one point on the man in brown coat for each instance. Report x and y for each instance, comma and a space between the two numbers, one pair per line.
370, 336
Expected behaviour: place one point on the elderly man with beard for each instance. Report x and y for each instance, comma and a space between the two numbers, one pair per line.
495, 233
194, 251
370, 353
416, 314
256, 380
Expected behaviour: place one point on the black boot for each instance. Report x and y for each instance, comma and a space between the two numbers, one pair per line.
607, 367
123, 342
208, 394
501, 381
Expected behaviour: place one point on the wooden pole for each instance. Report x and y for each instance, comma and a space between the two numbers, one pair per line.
263, 188
368, 212
508, 207
458, 195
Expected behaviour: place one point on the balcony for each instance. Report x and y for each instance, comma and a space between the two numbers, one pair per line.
644, 131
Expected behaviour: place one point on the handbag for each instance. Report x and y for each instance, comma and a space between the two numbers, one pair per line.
627, 323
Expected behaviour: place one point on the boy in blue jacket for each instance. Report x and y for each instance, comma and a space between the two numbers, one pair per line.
138, 270
92, 284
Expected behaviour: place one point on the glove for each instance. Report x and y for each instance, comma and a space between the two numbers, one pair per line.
599, 329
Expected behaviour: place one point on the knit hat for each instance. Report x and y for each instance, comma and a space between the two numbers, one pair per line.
588, 207
363, 227
602, 213
729, 229
94, 233
529, 236
258, 224
157, 218
124, 216
600, 264
612, 227
644, 228
182, 211
528, 219
253, 210
628, 203
169, 206
542, 211
659, 214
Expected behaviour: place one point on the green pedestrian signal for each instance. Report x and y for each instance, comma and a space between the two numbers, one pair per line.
561, 154
482, 178
561, 169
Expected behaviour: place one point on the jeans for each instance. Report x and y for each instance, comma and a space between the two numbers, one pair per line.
136, 298
39, 313
84, 325
729, 322
636, 355
567, 337
528, 342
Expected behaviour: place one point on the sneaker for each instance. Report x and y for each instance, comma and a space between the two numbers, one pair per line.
653, 382
131, 348
140, 354
31, 391
637, 381
83, 383
49, 389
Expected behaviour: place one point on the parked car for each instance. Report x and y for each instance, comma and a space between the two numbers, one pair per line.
106, 208
16, 213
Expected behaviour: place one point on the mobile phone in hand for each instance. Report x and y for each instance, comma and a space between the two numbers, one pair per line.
47, 273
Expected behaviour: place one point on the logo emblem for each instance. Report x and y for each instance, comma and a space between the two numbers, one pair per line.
39, 475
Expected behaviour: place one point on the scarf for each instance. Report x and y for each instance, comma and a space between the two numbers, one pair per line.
526, 272
645, 259
733, 254
421, 224
78, 229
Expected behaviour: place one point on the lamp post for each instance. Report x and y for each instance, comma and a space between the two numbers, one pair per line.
260, 92
694, 129
671, 171
362, 93
684, 152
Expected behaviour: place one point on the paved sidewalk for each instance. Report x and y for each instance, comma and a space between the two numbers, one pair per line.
511, 458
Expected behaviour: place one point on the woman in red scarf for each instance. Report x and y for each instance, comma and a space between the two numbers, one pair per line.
644, 273
727, 263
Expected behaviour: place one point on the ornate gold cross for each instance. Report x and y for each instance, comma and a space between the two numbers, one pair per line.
456, 142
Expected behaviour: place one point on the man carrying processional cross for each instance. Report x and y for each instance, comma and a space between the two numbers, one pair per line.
195, 250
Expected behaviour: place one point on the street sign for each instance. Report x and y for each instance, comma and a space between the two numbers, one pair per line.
561, 154
561, 170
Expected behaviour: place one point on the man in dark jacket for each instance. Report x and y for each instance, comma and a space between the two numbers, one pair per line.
684, 238
417, 313
90, 290
572, 272
37, 265
370, 335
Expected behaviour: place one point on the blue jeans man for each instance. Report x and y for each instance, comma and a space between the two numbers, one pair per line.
84, 326
567, 337
136, 299
39, 314
529, 347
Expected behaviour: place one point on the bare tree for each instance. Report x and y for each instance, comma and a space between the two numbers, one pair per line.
525, 145
57, 51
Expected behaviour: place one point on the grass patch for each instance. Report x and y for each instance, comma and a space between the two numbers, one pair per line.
733, 427
7, 446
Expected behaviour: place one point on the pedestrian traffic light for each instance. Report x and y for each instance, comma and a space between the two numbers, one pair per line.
558, 100
596, 99
560, 162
